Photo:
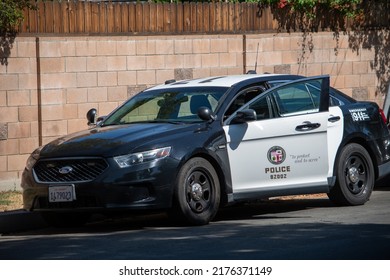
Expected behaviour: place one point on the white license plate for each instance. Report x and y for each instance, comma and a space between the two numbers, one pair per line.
62, 193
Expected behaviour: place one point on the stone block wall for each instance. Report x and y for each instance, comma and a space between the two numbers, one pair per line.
51, 82
350, 70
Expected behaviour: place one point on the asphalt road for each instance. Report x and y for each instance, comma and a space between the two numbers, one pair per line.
289, 230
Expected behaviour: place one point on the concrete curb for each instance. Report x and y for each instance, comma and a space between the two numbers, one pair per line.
20, 220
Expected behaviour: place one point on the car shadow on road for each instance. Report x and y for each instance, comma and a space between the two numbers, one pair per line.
275, 208
276, 229
269, 209
264, 209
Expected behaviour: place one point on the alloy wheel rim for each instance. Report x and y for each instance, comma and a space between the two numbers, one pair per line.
198, 191
356, 174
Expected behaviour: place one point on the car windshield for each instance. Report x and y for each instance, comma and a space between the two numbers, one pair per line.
166, 105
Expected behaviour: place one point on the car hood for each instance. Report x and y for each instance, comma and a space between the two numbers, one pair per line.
115, 140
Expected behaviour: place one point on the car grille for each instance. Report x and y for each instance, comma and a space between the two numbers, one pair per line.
69, 170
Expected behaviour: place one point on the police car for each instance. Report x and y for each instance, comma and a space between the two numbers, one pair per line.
193, 146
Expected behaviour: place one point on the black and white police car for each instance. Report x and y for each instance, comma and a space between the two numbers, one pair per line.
193, 146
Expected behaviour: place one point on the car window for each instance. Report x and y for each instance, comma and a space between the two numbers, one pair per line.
297, 98
180, 105
336, 98
314, 89
194, 102
242, 98
262, 108
333, 101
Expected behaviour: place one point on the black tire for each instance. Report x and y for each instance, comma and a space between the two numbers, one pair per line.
197, 193
63, 220
355, 176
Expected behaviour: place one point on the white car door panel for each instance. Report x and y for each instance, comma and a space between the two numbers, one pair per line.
266, 153
279, 153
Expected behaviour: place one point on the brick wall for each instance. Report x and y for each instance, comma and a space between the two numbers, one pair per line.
44, 97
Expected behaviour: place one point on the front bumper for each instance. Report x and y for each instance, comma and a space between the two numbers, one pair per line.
146, 186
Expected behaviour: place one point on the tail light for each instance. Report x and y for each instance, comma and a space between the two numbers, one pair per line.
383, 116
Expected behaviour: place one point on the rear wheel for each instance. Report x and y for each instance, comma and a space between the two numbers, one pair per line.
355, 176
197, 192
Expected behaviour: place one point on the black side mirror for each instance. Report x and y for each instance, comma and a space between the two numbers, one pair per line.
244, 116
206, 114
91, 116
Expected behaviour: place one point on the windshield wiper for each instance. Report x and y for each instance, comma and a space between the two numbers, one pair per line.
150, 121
153, 121
164, 121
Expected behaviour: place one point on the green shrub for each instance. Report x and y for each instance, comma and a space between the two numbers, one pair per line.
11, 14
350, 8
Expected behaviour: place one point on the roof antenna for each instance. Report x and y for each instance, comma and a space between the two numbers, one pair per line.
257, 54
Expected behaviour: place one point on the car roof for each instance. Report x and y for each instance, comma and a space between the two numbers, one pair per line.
217, 81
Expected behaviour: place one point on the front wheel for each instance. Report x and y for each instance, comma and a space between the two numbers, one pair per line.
197, 192
355, 176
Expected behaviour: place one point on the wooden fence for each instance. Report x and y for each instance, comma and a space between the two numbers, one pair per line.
102, 18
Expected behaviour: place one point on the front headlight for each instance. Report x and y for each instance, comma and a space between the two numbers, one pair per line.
32, 159
141, 157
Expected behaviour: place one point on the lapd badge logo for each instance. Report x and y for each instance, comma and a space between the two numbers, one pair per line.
276, 155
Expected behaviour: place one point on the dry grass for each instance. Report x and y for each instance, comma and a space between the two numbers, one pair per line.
303, 196
10, 200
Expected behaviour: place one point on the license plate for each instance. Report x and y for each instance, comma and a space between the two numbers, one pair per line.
62, 193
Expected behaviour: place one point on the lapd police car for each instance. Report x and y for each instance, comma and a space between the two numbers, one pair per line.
193, 146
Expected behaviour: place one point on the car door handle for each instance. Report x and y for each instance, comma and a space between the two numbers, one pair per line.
306, 126
334, 119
